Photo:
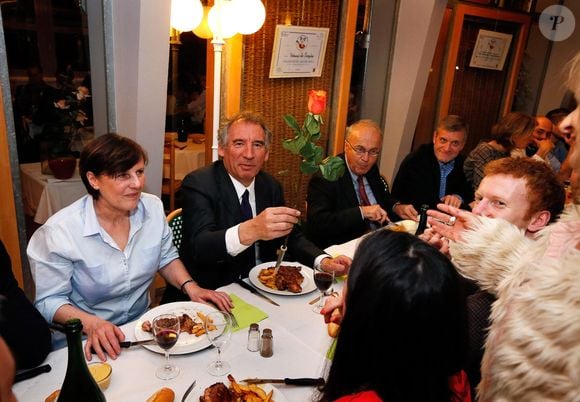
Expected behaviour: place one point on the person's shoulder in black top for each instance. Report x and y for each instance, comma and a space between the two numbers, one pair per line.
23, 328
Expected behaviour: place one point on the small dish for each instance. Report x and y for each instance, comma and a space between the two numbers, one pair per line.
101, 372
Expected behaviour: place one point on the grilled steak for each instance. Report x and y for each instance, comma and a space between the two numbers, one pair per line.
289, 278
217, 393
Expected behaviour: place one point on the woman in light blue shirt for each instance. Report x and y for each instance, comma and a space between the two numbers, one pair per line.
96, 258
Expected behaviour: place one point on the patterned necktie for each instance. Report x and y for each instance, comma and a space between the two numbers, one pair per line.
364, 199
245, 207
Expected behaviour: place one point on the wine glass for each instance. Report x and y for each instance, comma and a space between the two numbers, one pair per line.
218, 327
166, 332
323, 281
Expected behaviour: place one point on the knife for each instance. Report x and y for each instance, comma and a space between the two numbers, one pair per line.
25, 375
128, 344
253, 290
309, 382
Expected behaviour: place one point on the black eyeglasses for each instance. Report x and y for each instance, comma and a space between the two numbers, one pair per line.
360, 151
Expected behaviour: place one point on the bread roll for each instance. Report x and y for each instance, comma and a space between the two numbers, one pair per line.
163, 395
332, 326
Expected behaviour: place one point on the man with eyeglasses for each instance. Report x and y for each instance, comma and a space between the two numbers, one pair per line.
433, 173
357, 202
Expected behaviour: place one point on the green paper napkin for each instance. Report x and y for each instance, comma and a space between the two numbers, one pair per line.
331, 350
245, 313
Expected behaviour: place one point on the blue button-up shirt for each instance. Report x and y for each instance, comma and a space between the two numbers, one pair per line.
74, 261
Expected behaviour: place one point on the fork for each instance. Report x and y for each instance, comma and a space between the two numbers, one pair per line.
234, 321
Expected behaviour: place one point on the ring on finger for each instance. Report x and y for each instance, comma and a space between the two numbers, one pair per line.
451, 221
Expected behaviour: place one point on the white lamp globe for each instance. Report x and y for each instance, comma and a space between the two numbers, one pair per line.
186, 14
222, 19
251, 15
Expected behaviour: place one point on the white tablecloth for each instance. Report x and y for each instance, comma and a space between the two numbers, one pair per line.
300, 345
44, 195
189, 156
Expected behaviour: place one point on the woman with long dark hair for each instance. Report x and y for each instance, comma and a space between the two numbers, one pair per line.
403, 332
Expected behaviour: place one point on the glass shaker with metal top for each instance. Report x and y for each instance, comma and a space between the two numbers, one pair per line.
254, 338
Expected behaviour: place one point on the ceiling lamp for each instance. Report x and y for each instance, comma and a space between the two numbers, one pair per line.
186, 14
223, 20
203, 30
251, 15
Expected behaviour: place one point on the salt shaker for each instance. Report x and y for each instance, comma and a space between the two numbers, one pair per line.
254, 338
267, 346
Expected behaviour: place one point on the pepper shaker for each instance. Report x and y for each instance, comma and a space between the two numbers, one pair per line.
267, 346
254, 338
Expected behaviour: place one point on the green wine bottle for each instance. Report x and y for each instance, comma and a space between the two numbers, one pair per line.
79, 384
422, 220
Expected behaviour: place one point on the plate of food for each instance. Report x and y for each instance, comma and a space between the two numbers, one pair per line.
406, 225
292, 278
192, 333
234, 391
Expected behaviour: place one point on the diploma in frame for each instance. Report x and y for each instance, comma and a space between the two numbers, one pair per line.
298, 51
491, 49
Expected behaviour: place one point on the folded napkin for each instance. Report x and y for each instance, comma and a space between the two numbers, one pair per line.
245, 313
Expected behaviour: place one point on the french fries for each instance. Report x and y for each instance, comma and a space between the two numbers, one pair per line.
249, 393
268, 277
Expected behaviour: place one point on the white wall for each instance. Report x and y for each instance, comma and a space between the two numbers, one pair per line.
418, 25
553, 90
141, 56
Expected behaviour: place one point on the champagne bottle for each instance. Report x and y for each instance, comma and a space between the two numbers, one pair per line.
79, 384
422, 220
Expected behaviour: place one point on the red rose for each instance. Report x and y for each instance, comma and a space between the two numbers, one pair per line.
316, 101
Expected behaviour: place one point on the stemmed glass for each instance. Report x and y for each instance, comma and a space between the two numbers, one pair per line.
166, 332
323, 281
218, 327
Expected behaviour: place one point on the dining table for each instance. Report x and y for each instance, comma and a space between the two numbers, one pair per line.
189, 155
44, 195
300, 340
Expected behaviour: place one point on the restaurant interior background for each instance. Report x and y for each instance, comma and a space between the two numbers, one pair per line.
401, 63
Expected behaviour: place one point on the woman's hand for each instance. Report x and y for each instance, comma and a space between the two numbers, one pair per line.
198, 294
436, 240
330, 305
102, 336
449, 222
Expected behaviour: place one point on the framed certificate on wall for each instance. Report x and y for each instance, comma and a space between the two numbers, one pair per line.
491, 49
298, 51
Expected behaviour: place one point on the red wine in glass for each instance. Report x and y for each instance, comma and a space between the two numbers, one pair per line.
166, 338
323, 281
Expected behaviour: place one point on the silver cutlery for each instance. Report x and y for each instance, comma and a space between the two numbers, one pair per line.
188, 391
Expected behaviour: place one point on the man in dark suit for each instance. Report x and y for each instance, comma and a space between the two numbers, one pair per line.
357, 202
434, 172
234, 213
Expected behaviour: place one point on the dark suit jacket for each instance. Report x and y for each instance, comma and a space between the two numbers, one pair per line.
417, 181
334, 215
211, 206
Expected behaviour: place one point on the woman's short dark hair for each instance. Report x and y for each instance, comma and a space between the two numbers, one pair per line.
109, 154
514, 124
404, 329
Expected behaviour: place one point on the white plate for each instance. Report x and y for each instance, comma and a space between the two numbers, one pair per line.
408, 225
307, 286
277, 396
187, 343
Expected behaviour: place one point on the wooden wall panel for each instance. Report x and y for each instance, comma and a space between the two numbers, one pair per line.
276, 97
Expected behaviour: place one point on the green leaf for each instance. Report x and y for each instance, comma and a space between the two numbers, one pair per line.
308, 150
292, 123
332, 168
308, 167
295, 144
311, 125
